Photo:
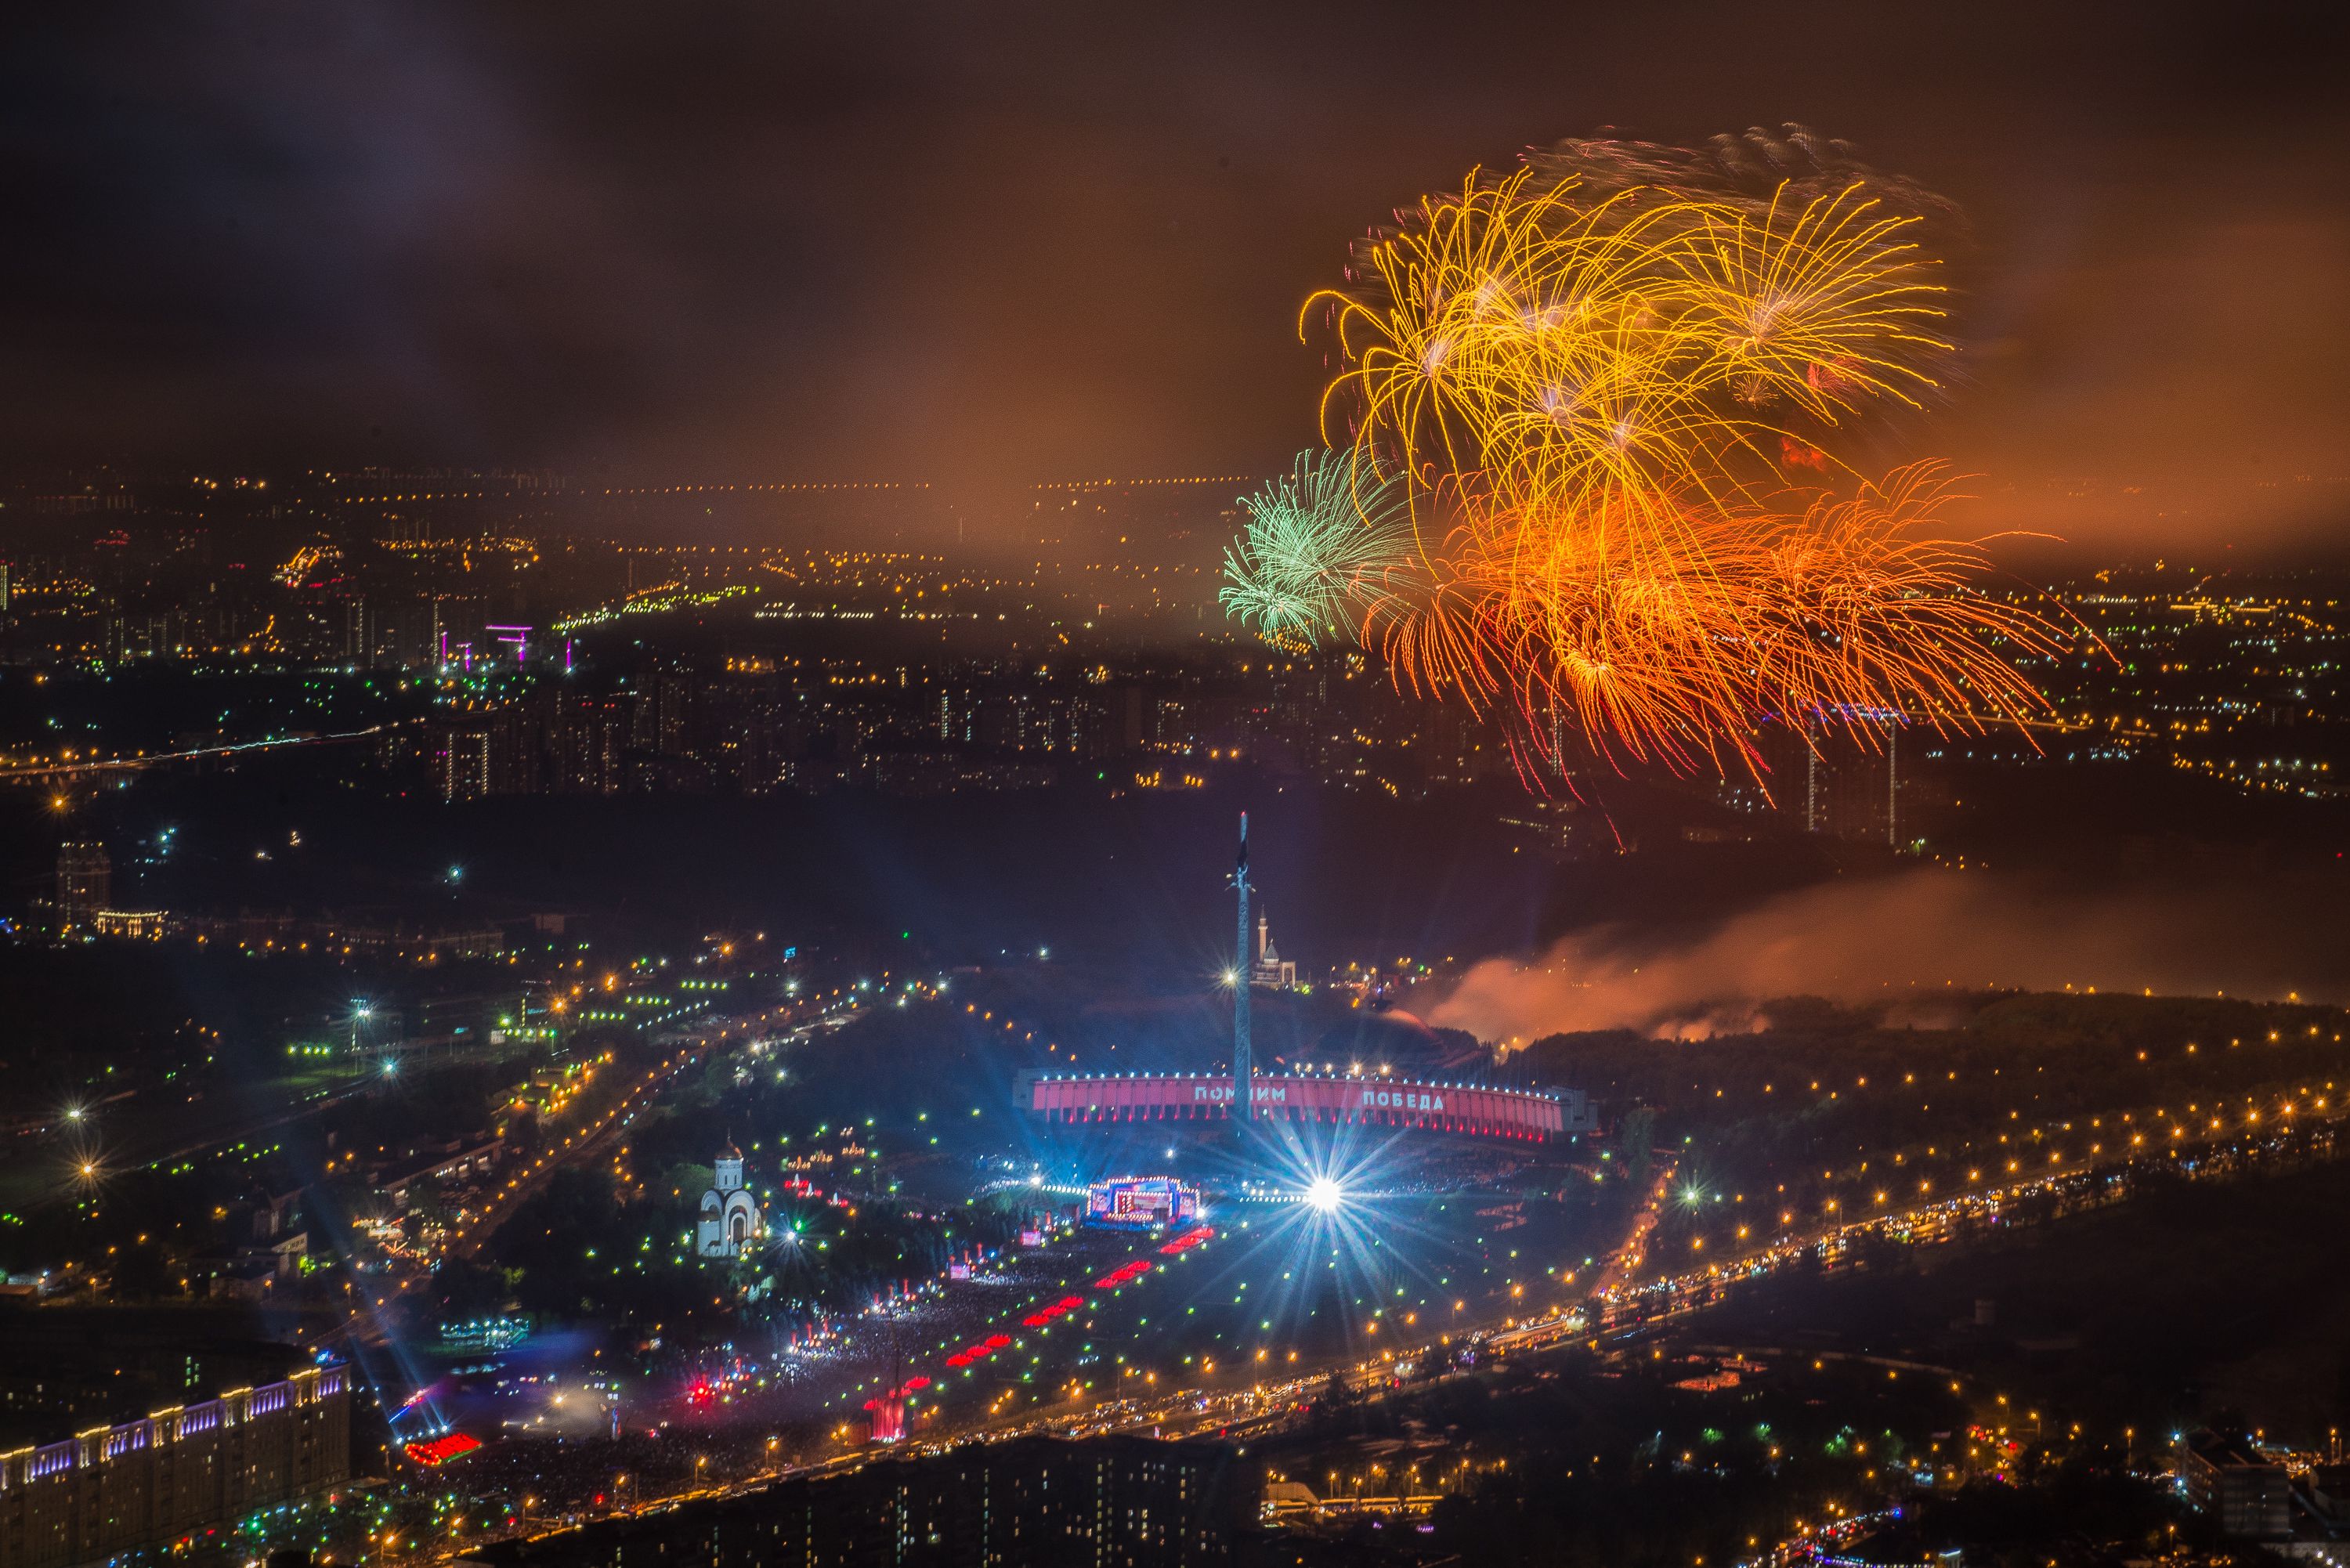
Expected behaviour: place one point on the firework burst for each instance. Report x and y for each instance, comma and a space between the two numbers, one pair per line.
1318, 550
1575, 398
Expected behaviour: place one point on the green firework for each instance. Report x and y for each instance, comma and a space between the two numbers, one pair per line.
1316, 549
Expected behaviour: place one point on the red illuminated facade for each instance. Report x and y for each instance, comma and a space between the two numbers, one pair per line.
1529, 1114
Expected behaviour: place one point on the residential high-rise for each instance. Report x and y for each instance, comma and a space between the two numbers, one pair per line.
1841, 779
1105, 1503
591, 746
483, 752
461, 759
2248, 1493
112, 1492
85, 885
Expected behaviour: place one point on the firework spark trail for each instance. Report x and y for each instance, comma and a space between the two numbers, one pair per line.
1308, 563
1575, 395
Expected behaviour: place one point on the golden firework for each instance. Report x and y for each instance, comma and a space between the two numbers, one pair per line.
1592, 401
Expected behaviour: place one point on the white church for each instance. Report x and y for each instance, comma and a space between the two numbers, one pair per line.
730, 1215
1269, 968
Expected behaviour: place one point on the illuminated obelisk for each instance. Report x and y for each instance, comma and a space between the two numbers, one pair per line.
1244, 1069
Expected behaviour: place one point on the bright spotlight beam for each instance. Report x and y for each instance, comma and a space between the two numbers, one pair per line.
1324, 1194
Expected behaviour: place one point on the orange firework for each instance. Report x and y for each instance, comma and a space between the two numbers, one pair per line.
1591, 397
1861, 614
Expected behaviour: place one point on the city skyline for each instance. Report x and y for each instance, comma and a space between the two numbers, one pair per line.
953, 256
1316, 786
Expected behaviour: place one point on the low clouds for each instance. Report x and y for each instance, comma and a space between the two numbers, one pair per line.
978, 245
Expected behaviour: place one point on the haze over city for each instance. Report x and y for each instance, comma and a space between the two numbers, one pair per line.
933, 245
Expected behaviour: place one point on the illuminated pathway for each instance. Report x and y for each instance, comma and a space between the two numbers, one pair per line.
466, 1239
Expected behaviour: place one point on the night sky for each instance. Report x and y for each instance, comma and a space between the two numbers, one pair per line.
972, 243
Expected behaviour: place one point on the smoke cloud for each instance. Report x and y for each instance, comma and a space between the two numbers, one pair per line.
1906, 940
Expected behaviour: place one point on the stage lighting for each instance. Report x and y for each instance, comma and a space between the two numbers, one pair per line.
1324, 1194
